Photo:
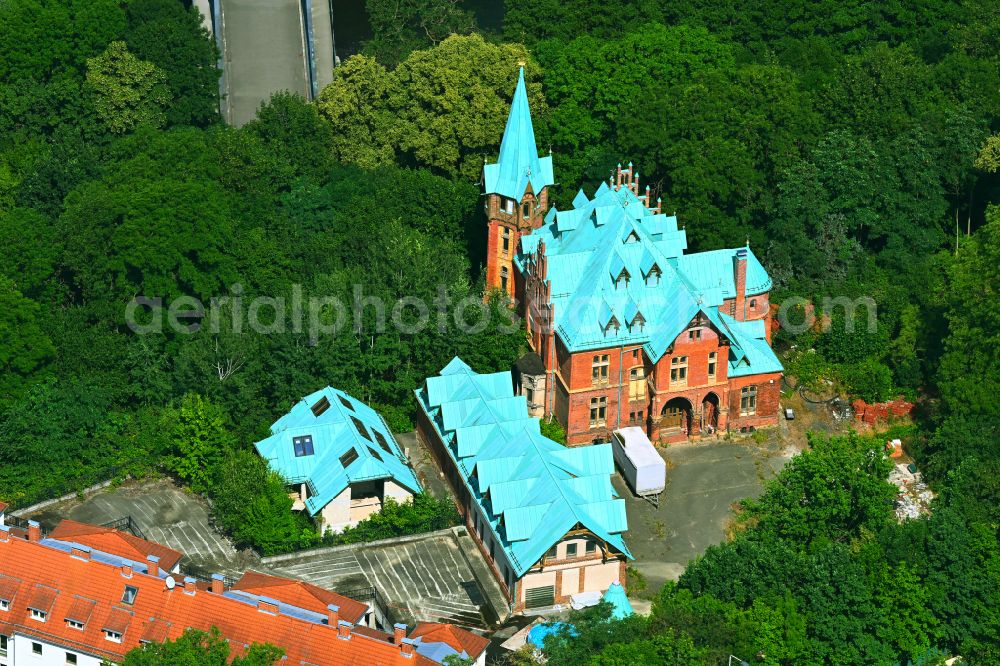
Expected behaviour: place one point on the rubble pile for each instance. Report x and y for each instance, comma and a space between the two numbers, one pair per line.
914, 498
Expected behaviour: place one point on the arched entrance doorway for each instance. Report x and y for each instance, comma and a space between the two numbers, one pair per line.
710, 414
676, 417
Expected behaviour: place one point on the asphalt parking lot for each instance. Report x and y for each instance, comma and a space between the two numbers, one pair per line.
704, 480
425, 579
167, 515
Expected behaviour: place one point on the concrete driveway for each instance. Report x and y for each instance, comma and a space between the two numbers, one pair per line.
704, 480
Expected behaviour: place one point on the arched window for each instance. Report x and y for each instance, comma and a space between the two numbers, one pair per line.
753, 303
504, 275
748, 401
526, 210
506, 240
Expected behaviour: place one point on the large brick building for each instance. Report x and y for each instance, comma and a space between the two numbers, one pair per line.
628, 329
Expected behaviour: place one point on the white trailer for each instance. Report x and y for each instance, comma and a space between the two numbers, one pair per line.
641, 464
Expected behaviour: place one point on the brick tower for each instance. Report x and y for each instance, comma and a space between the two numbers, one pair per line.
516, 189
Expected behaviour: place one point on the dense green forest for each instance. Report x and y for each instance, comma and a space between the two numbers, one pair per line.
853, 144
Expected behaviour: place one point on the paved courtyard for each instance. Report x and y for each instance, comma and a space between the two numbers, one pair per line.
166, 515
704, 480
426, 579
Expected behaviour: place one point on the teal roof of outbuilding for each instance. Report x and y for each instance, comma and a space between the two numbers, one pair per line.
519, 164
621, 608
346, 424
533, 489
601, 259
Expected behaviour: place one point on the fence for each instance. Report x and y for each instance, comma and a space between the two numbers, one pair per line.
384, 617
126, 524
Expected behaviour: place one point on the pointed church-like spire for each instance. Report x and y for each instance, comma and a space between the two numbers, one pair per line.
519, 163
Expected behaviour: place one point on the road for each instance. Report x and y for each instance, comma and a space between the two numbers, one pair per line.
265, 50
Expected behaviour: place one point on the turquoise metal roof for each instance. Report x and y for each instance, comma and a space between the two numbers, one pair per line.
620, 606
519, 164
611, 259
532, 489
345, 425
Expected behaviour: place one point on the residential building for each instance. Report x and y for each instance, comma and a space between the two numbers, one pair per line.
628, 329
340, 457
439, 641
116, 542
65, 603
546, 517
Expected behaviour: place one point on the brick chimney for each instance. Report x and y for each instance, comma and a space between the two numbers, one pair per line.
406, 647
4, 534
333, 615
344, 630
398, 633
34, 531
154, 565
218, 583
740, 278
80, 552
267, 607
126, 569
190, 585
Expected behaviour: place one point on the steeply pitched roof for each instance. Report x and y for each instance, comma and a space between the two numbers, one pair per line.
115, 542
519, 164
45, 574
533, 489
458, 639
335, 424
301, 594
619, 275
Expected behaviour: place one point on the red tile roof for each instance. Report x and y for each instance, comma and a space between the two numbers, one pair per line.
449, 634
80, 610
301, 594
160, 613
115, 542
3, 507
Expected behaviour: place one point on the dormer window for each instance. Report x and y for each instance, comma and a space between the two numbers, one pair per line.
632, 237
622, 279
613, 326
74, 624
638, 322
38, 615
653, 276
303, 446
113, 636
4, 605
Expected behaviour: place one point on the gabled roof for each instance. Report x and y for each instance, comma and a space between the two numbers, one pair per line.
519, 164
459, 640
115, 542
533, 489
301, 594
43, 574
613, 234
337, 427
